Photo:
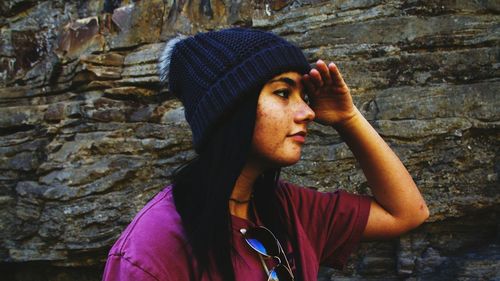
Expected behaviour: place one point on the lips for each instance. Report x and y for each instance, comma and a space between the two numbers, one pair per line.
299, 136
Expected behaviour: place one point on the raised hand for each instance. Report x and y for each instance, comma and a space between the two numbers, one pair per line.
329, 96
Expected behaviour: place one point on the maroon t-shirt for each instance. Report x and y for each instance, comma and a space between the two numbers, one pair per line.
328, 228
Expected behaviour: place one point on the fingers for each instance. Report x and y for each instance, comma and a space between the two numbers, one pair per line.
316, 78
308, 84
336, 76
323, 75
324, 72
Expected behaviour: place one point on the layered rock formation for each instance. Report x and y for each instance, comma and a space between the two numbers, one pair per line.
87, 137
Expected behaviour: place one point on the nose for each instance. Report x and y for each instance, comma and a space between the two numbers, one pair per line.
304, 113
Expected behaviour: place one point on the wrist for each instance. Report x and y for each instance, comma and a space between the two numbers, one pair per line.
350, 122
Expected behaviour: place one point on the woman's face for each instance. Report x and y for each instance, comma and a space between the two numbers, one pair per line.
281, 122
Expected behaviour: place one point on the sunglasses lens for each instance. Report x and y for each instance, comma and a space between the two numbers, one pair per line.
255, 243
280, 273
262, 241
273, 276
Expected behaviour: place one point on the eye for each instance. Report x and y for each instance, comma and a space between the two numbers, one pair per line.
284, 93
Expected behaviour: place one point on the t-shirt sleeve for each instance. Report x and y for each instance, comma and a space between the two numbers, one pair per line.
333, 221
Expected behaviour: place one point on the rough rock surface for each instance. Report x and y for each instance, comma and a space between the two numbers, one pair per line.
86, 137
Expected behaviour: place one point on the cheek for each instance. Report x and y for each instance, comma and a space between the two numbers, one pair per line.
270, 122
270, 128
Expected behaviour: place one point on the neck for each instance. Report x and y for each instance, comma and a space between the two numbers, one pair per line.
243, 190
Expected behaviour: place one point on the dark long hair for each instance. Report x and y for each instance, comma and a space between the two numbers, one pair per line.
203, 186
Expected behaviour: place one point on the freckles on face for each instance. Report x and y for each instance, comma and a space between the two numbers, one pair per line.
270, 135
278, 116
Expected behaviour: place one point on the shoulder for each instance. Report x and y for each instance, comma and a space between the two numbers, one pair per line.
157, 219
288, 189
297, 193
306, 201
295, 198
151, 239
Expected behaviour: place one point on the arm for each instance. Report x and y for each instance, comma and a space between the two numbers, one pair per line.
398, 205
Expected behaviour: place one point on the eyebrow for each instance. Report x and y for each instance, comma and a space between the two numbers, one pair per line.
286, 80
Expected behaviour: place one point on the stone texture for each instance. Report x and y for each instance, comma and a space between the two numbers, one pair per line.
87, 138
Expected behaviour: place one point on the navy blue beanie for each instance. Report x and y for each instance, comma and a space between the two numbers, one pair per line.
211, 71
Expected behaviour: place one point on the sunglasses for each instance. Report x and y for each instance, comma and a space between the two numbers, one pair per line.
263, 241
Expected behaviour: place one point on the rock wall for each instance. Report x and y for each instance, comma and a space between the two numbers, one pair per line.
87, 138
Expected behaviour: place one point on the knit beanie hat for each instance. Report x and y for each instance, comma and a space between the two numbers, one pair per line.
211, 71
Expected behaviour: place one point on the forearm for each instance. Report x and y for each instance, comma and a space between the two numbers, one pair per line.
391, 184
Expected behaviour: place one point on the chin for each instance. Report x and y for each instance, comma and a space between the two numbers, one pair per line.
278, 159
286, 161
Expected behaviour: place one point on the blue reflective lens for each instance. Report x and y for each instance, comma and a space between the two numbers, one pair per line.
257, 246
272, 276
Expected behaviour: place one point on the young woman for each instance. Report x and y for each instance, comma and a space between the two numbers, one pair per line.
249, 96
